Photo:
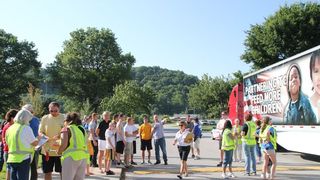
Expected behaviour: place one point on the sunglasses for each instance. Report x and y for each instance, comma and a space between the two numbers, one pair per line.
53, 111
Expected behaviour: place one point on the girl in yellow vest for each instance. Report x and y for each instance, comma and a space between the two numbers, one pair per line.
268, 139
228, 147
21, 141
73, 149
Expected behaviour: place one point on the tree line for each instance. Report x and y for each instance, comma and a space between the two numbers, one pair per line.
92, 73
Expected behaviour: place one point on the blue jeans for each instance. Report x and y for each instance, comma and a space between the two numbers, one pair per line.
20, 170
258, 150
227, 158
160, 143
250, 158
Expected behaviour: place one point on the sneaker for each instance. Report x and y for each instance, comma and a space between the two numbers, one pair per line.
186, 175
133, 163
219, 164
95, 165
158, 162
253, 173
179, 176
110, 172
246, 174
224, 176
192, 156
196, 158
268, 176
149, 162
231, 175
165, 163
263, 176
142, 162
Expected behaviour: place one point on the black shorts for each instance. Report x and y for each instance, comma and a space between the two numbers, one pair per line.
145, 144
119, 147
47, 166
184, 152
134, 147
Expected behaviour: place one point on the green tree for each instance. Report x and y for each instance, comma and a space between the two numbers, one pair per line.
19, 67
35, 98
210, 96
90, 66
130, 98
171, 87
291, 30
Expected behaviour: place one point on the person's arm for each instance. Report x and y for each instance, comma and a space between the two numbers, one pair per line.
98, 130
154, 128
64, 141
244, 130
93, 137
175, 140
231, 136
42, 126
4, 135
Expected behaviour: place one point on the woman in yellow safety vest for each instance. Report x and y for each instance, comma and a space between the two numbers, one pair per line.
73, 149
227, 146
21, 141
268, 139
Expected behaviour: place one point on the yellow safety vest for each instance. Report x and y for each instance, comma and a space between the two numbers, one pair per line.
77, 148
273, 138
86, 142
250, 138
227, 142
17, 151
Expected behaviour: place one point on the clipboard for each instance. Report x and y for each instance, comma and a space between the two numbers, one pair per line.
42, 141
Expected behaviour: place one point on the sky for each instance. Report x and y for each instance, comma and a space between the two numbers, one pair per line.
196, 37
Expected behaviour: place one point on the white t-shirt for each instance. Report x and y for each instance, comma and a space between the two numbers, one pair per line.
180, 138
110, 134
129, 129
27, 137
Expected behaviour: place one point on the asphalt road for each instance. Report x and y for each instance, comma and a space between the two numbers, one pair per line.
290, 165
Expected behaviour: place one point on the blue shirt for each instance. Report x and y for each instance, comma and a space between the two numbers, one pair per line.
197, 131
299, 112
34, 124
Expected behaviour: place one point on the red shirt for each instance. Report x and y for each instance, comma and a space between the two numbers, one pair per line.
4, 130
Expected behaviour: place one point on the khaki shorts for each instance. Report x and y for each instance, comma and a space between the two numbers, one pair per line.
196, 144
128, 149
109, 154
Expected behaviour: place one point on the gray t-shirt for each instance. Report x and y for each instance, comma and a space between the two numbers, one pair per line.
120, 126
158, 130
93, 126
190, 126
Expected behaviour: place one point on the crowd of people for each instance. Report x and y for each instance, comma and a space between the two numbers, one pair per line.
72, 146
258, 141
